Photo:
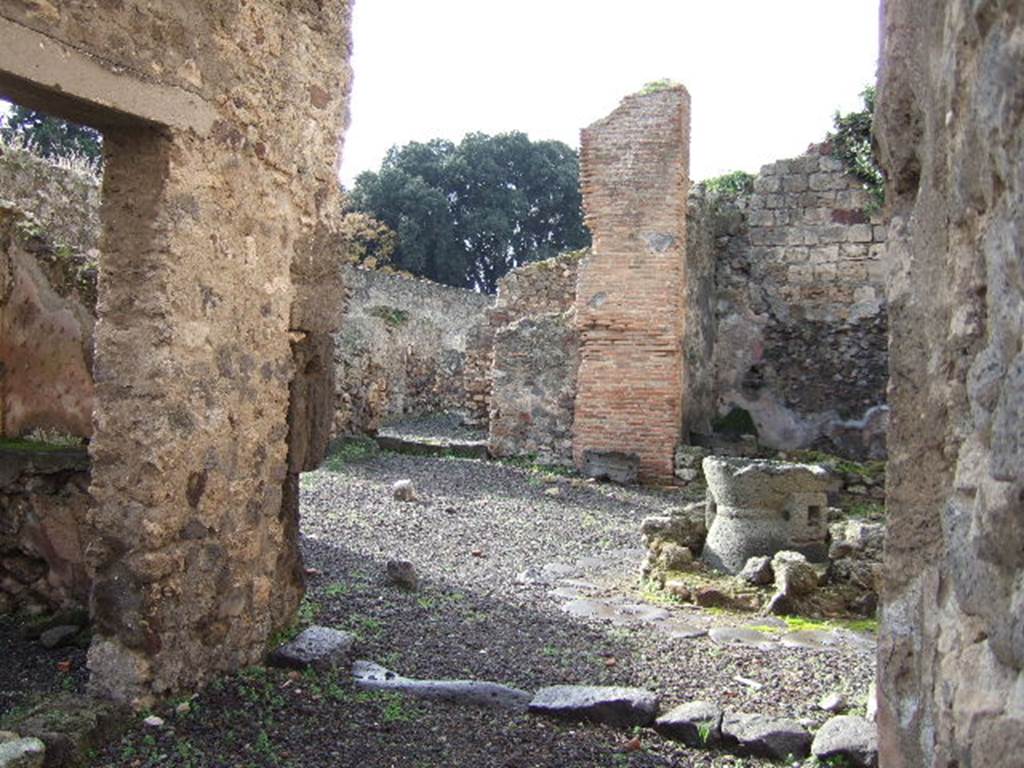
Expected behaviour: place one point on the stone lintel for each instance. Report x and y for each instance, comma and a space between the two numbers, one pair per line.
42, 73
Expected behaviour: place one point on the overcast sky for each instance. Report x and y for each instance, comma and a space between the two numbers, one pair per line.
764, 76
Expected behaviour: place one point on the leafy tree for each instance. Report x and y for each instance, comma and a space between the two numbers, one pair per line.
852, 144
51, 137
366, 241
467, 213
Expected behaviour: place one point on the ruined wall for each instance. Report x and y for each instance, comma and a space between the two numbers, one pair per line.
402, 350
535, 360
44, 505
630, 291
951, 647
221, 125
47, 299
800, 338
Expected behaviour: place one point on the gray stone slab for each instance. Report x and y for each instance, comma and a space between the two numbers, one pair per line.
760, 736
621, 707
816, 639
696, 724
849, 738
741, 636
621, 468
317, 647
374, 677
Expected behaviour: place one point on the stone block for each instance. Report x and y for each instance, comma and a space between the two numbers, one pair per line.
620, 707
321, 648
618, 467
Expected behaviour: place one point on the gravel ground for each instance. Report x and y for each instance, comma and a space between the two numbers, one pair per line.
477, 526
435, 427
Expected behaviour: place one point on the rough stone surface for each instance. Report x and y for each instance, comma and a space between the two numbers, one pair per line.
800, 313
616, 466
631, 288
402, 574
44, 527
951, 645
848, 738
533, 388
316, 647
404, 349
794, 576
696, 724
403, 490
759, 507
73, 728
758, 571
219, 187
22, 753
374, 677
777, 738
55, 637
621, 707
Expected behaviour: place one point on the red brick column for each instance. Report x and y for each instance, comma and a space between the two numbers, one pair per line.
629, 297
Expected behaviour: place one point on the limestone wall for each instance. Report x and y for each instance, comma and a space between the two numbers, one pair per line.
402, 350
800, 309
535, 361
630, 291
221, 127
951, 647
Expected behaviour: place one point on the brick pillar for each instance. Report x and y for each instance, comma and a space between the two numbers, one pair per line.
629, 297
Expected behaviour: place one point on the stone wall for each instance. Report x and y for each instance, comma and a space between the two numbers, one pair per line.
800, 338
951, 647
47, 298
44, 528
221, 126
402, 350
630, 291
535, 361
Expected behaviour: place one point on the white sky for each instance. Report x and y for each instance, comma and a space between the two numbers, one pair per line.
764, 76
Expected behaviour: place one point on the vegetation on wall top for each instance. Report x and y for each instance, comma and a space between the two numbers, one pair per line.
851, 142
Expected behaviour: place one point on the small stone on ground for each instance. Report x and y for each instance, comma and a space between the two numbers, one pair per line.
317, 647
696, 724
22, 753
777, 738
848, 738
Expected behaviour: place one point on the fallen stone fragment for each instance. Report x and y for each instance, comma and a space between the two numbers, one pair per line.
696, 724
22, 753
757, 571
832, 702
58, 636
153, 721
553, 491
374, 677
794, 576
760, 736
402, 573
71, 727
622, 707
403, 491
849, 738
317, 647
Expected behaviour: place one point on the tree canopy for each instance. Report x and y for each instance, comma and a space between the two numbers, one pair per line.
51, 137
467, 213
